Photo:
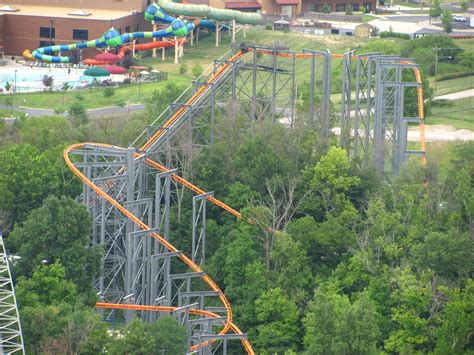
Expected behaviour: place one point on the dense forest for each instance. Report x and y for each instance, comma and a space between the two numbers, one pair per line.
338, 260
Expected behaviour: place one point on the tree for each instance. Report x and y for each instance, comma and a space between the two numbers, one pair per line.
277, 320
183, 68
165, 336
349, 10
48, 81
436, 10
464, 6
450, 256
58, 231
326, 8
412, 296
197, 70
289, 258
127, 61
333, 181
77, 114
447, 21
334, 325
65, 88
27, 178
108, 93
45, 132
169, 336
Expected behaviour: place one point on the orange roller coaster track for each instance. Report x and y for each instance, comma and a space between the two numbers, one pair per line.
228, 325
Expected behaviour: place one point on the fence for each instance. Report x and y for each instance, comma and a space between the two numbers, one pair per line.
331, 17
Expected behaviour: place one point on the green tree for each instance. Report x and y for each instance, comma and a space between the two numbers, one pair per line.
277, 317
165, 336
412, 295
289, 258
436, 10
77, 114
45, 132
183, 68
58, 231
456, 322
349, 10
47, 286
449, 255
65, 88
197, 70
169, 336
464, 6
27, 178
108, 93
334, 325
333, 181
447, 21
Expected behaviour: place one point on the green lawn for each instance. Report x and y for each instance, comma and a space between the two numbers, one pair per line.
460, 115
453, 85
94, 98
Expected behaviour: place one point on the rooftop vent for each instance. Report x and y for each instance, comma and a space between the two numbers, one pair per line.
80, 12
9, 8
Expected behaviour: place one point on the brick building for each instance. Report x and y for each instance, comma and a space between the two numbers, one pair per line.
29, 24
338, 5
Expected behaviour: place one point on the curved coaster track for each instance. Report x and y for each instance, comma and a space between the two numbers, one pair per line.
128, 190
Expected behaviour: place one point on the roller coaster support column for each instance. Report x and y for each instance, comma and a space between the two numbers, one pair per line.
192, 37
199, 228
346, 101
176, 50
233, 31
129, 229
154, 39
325, 69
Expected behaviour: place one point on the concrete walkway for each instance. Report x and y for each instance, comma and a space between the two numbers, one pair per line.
457, 95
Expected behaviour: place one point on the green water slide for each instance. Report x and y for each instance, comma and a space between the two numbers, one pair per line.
211, 13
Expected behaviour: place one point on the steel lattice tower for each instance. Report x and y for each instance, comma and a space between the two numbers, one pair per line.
11, 339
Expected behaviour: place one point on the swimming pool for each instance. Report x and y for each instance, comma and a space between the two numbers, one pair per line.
31, 79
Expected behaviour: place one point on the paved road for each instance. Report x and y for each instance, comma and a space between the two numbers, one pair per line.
457, 95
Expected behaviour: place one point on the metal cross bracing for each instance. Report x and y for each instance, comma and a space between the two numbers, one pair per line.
11, 339
374, 123
130, 191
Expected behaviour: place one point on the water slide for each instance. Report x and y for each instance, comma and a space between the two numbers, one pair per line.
137, 47
158, 13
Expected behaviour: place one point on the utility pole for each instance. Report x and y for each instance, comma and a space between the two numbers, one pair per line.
436, 49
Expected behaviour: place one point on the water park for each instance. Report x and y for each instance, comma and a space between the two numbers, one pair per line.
62, 63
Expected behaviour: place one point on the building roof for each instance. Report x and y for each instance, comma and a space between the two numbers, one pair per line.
242, 5
66, 12
287, 2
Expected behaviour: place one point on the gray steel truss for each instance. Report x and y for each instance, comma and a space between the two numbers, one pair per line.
374, 128
11, 339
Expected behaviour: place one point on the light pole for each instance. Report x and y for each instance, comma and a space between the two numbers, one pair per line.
139, 87
437, 58
15, 81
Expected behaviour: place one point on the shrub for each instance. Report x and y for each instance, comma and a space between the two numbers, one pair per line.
388, 34
326, 9
450, 76
183, 68
197, 70
268, 26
